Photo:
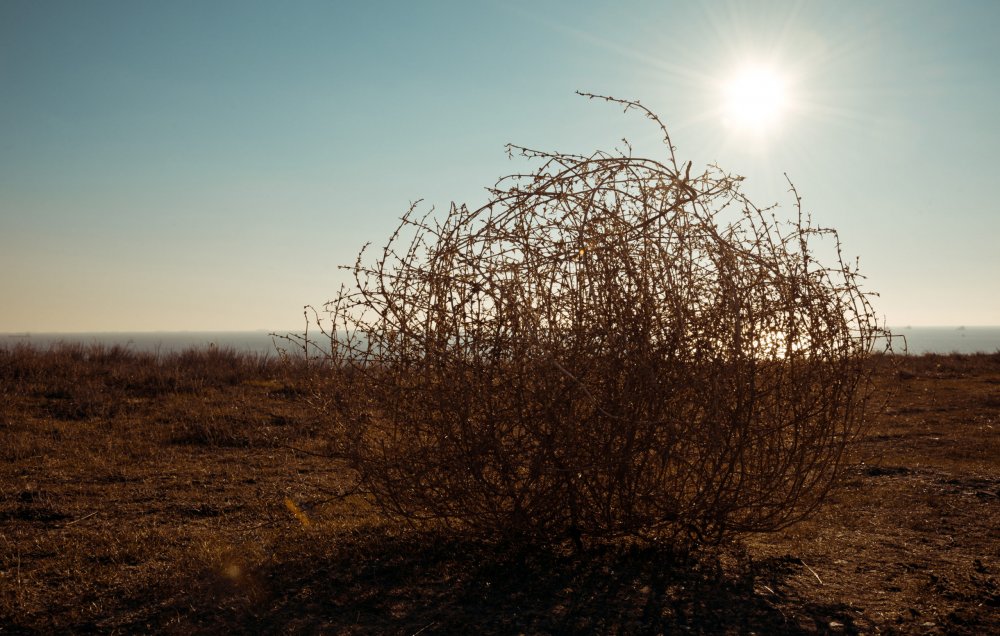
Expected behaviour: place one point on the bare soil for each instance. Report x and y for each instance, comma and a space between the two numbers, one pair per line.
143, 494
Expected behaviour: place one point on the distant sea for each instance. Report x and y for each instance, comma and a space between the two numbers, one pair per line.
948, 339
918, 340
152, 341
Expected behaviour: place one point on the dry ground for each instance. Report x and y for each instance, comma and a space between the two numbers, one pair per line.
178, 494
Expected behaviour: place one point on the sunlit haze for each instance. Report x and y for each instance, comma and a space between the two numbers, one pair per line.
209, 165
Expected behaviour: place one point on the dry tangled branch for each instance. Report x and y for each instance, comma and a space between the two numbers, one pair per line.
612, 346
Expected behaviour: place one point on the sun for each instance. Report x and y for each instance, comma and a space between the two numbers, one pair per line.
754, 99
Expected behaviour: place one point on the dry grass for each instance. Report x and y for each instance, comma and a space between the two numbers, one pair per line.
126, 474
114, 518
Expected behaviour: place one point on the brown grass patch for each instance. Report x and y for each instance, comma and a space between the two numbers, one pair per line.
109, 522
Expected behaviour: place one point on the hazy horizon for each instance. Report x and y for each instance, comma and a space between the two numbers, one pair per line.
188, 166
918, 339
892, 328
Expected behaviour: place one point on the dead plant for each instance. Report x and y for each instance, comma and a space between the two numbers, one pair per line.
611, 346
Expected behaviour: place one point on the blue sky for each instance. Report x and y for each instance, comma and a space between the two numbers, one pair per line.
208, 165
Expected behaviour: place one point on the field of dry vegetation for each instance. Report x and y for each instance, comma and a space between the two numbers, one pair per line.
191, 493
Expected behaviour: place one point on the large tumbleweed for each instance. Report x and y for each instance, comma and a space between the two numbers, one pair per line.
612, 346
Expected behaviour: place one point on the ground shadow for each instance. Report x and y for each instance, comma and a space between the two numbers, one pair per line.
429, 584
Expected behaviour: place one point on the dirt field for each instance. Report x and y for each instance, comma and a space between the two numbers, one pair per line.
188, 495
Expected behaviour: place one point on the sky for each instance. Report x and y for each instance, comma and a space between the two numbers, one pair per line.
191, 165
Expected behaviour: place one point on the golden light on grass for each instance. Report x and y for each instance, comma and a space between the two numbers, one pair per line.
754, 99
209, 551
